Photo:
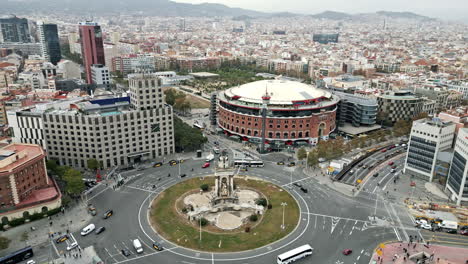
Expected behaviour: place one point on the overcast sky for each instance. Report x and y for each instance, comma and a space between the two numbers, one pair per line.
445, 9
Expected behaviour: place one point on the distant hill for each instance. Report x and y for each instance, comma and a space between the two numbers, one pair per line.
332, 15
169, 8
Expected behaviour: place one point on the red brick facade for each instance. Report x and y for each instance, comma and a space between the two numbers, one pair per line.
284, 128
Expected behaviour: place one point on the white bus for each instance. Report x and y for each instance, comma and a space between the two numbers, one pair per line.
295, 254
249, 163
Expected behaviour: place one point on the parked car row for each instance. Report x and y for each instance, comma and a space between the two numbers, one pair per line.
441, 225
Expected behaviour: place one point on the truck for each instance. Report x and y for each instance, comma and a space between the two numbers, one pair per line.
448, 226
210, 157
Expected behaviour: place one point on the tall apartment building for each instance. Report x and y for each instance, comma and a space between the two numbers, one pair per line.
50, 42
119, 131
428, 138
14, 29
92, 49
402, 105
100, 75
457, 183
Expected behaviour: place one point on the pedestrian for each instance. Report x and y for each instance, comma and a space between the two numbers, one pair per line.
80, 255
414, 246
65, 255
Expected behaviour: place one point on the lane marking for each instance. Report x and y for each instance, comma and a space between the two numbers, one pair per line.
94, 196
333, 216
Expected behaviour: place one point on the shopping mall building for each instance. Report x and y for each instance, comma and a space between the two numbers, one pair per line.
297, 113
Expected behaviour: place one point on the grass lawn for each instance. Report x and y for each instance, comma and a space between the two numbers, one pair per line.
197, 102
173, 227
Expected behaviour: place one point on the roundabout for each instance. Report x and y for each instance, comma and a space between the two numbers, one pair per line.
242, 225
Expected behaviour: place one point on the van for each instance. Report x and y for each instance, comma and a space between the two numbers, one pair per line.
88, 229
216, 150
137, 246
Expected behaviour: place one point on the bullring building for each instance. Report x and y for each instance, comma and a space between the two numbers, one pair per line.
296, 112
118, 131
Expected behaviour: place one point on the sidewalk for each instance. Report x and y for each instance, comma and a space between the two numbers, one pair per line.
325, 179
395, 253
72, 219
85, 256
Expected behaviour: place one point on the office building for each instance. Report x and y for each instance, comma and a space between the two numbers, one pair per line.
24, 49
457, 183
117, 130
14, 29
25, 188
50, 43
100, 75
428, 138
92, 49
325, 38
401, 105
356, 114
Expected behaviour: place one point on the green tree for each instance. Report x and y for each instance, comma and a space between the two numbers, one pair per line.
253, 218
61, 170
186, 137
4, 242
262, 201
312, 159
93, 164
51, 165
203, 221
301, 154
205, 187
401, 128
75, 185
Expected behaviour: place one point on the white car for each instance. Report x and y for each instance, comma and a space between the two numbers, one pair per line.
421, 222
72, 246
426, 226
31, 262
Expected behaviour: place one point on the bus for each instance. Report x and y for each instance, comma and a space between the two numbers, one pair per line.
17, 256
295, 254
249, 163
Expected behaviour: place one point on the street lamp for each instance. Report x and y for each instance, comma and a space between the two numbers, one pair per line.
284, 205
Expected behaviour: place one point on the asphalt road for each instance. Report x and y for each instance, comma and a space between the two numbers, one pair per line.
330, 221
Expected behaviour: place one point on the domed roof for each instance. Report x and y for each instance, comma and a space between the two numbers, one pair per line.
280, 91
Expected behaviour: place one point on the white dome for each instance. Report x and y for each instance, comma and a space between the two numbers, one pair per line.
280, 91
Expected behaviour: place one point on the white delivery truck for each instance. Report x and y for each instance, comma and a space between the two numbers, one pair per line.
88, 229
449, 225
210, 157
137, 246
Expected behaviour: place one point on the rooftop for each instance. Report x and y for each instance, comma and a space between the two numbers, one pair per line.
280, 91
16, 154
434, 122
356, 99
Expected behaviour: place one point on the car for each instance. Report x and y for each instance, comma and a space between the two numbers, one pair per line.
108, 214
370, 167
100, 230
451, 231
365, 166
351, 172
61, 239
347, 252
72, 246
297, 184
393, 171
421, 221
383, 150
157, 164
183, 175
426, 226
172, 162
280, 163
181, 160
464, 232
304, 190
403, 145
125, 252
398, 151
291, 164
391, 163
92, 210
360, 165
393, 167
31, 262
157, 246
206, 165
376, 174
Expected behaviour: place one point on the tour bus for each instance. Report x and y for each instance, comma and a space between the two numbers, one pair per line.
17, 256
295, 254
249, 163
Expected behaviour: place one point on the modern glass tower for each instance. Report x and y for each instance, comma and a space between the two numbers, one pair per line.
14, 29
50, 43
92, 48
